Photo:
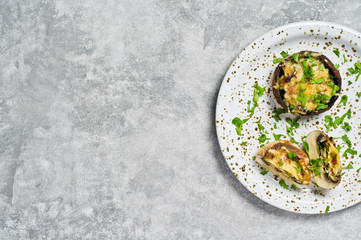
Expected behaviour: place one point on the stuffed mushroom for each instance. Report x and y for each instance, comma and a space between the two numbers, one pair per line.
306, 83
287, 160
324, 160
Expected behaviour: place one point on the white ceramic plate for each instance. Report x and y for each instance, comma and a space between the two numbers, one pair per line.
254, 65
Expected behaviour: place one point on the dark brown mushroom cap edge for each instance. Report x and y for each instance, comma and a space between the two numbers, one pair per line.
328, 64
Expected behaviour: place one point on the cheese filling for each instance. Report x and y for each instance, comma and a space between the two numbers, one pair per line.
331, 163
307, 84
281, 160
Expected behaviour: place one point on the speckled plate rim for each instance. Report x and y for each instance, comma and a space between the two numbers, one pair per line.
306, 209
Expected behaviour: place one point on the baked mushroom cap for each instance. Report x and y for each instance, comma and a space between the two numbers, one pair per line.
324, 160
287, 160
321, 100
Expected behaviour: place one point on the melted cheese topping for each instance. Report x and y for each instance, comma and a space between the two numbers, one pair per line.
293, 82
279, 158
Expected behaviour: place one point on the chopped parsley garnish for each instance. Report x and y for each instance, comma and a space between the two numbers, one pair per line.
251, 110
344, 58
321, 68
349, 166
244, 143
293, 187
339, 148
350, 151
278, 112
335, 88
303, 80
349, 83
295, 57
329, 122
278, 136
356, 70
320, 98
292, 140
283, 184
284, 54
292, 155
278, 60
307, 71
302, 97
358, 75
336, 52
358, 94
258, 91
297, 169
318, 81
327, 209
343, 174
358, 65
263, 172
307, 148
347, 127
281, 164
293, 125
358, 169
344, 100
263, 138
347, 140
352, 71
238, 123
337, 66
321, 106
338, 120
315, 166
260, 126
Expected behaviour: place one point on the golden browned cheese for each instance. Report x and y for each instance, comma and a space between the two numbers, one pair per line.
293, 81
280, 159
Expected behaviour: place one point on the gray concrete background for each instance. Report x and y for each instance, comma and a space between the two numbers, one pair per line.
107, 132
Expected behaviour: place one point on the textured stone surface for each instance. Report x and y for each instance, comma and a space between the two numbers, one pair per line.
107, 120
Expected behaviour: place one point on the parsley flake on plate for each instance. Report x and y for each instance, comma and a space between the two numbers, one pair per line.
327, 209
263, 172
336, 52
239, 123
263, 138
283, 184
350, 151
344, 100
278, 112
278, 136
346, 126
349, 166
